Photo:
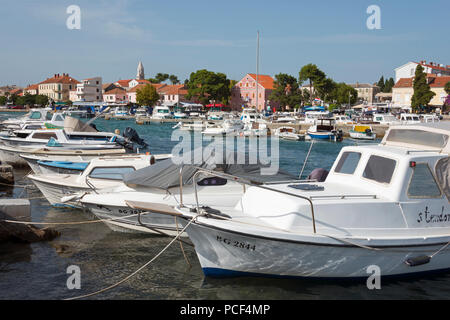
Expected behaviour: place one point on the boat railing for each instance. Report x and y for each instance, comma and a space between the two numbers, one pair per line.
346, 196
244, 182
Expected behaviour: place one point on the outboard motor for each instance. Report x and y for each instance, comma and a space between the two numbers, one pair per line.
318, 174
132, 139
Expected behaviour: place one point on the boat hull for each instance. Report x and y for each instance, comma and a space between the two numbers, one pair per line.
322, 136
154, 221
54, 192
362, 135
226, 253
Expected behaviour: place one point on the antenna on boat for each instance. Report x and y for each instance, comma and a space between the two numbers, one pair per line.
306, 159
257, 68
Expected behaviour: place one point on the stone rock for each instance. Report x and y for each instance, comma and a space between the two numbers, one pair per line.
22, 232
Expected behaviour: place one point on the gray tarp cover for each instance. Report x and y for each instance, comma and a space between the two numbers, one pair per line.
443, 175
165, 174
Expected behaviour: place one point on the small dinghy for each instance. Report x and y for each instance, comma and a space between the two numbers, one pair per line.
50, 167
362, 132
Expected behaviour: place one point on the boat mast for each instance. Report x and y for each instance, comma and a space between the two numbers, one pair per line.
257, 69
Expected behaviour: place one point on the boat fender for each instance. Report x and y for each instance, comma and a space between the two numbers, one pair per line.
418, 261
368, 131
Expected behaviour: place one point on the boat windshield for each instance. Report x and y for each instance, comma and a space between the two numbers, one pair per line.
113, 173
423, 184
379, 169
348, 162
418, 137
35, 115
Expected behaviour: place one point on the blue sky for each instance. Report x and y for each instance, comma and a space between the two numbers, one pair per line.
179, 37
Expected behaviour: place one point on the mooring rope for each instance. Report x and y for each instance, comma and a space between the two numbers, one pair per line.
141, 268
181, 245
18, 185
71, 223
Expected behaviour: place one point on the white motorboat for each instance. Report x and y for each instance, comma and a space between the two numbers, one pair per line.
288, 133
179, 112
362, 132
121, 112
141, 112
254, 124
104, 172
34, 116
254, 129
311, 117
386, 119
285, 117
409, 118
227, 127
61, 138
190, 126
429, 118
161, 112
14, 155
50, 164
160, 184
343, 119
382, 206
325, 129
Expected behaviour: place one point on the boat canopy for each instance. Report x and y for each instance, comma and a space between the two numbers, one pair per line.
314, 108
76, 125
165, 174
425, 136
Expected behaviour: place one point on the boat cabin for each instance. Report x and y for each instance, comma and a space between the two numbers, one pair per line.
398, 185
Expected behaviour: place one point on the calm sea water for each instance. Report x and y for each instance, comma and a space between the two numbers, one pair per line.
38, 271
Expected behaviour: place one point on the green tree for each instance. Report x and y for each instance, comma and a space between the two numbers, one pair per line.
343, 92
41, 100
447, 87
3, 100
325, 89
174, 79
161, 77
422, 92
286, 91
206, 85
29, 99
381, 84
388, 85
315, 77
147, 96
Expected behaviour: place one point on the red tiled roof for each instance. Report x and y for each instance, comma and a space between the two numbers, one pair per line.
32, 87
433, 81
174, 89
439, 82
116, 91
434, 66
143, 82
157, 86
264, 80
123, 83
136, 88
64, 79
16, 91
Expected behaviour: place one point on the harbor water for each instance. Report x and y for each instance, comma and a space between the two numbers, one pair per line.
39, 270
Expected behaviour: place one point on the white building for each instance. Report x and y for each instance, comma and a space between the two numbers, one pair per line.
408, 70
89, 90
